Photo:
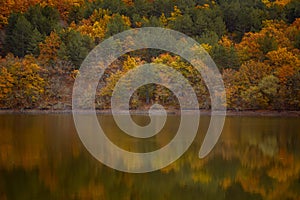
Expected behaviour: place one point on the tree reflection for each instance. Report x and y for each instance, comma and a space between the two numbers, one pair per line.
41, 157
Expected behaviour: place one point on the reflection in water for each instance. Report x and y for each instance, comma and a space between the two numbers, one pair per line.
41, 157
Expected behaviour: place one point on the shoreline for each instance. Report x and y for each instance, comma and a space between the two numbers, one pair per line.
285, 113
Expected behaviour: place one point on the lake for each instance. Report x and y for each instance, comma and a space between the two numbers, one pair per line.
42, 157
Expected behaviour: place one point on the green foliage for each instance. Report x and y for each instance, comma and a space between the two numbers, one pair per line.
183, 24
267, 44
36, 38
142, 7
297, 40
25, 31
242, 16
206, 20
116, 6
153, 22
75, 46
163, 6
292, 11
293, 92
269, 85
44, 19
225, 57
208, 37
116, 25
20, 32
76, 14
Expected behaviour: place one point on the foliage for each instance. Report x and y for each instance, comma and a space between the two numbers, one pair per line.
20, 32
105, 92
44, 19
242, 16
49, 49
75, 47
25, 31
25, 83
292, 10
117, 24
95, 26
254, 43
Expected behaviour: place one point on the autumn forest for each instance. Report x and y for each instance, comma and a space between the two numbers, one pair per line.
254, 43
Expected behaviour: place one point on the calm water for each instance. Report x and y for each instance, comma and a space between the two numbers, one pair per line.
41, 157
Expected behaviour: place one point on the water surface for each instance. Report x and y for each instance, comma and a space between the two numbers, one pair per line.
42, 157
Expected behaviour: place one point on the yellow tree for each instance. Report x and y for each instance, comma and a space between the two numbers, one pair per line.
176, 13
189, 72
49, 49
105, 93
280, 3
231, 87
6, 81
25, 85
95, 26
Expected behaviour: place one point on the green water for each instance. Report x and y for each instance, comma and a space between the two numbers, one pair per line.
42, 157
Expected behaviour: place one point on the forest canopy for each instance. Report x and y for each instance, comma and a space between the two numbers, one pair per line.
254, 43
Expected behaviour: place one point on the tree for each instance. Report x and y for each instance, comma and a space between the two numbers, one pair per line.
256, 45
142, 7
207, 20
6, 84
152, 22
225, 55
5, 11
105, 93
76, 14
75, 46
182, 23
25, 31
24, 86
267, 44
163, 6
95, 26
292, 11
36, 38
165, 96
293, 33
7, 7
282, 58
115, 6
208, 37
20, 34
243, 88
242, 16
44, 19
293, 91
117, 24
269, 87
49, 49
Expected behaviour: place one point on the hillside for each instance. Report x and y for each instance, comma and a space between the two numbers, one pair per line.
254, 43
